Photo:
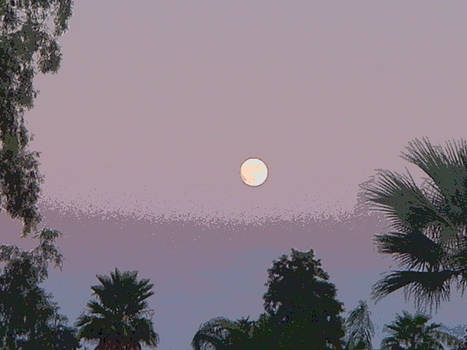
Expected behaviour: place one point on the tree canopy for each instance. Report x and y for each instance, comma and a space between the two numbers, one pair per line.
29, 32
302, 303
29, 319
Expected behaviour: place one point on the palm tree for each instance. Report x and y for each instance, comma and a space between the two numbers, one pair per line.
429, 237
119, 317
409, 332
221, 334
359, 328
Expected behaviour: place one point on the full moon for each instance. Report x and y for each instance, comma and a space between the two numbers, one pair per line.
253, 172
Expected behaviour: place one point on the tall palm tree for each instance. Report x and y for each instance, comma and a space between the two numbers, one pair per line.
359, 328
409, 332
429, 237
119, 317
223, 334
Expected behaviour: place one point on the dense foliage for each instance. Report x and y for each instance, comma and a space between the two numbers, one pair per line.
302, 303
28, 44
29, 319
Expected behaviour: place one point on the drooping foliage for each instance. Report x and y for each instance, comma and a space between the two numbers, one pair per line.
359, 328
429, 221
29, 319
29, 31
412, 332
40, 257
119, 317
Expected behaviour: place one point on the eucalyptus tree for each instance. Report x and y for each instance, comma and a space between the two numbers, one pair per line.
119, 318
359, 328
429, 223
29, 31
411, 332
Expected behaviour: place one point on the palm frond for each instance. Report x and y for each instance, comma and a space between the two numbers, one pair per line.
214, 333
447, 168
404, 204
94, 328
96, 308
202, 340
429, 288
447, 338
430, 221
412, 249
222, 333
143, 330
388, 343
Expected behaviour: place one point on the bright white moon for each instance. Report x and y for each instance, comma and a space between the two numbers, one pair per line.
254, 172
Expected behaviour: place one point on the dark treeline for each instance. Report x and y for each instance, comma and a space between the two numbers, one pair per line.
300, 311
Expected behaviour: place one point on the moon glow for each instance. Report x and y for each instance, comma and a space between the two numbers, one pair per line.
253, 172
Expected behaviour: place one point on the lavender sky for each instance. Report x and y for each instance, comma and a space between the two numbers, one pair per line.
157, 103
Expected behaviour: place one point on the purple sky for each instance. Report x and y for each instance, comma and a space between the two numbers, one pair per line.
156, 106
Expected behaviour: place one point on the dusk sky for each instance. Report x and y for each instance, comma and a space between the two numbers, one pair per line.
143, 130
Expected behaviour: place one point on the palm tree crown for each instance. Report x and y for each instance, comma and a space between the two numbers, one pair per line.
221, 333
429, 222
409, 332
119, 317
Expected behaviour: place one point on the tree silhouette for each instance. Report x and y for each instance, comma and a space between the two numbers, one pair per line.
29, 319
302, 304
429, 221
119, 317
409, 332
28, 44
